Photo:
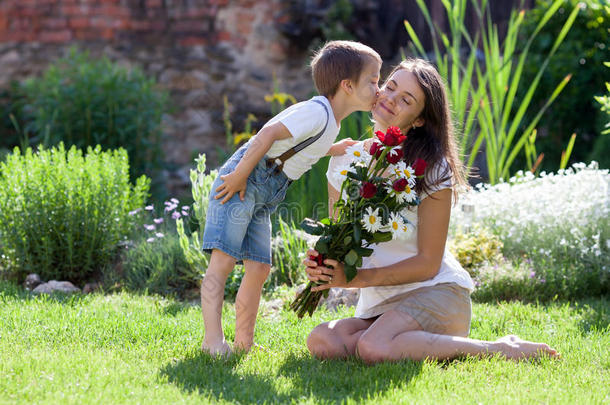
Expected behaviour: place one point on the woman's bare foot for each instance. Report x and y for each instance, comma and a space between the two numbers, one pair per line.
221, 349
515, 348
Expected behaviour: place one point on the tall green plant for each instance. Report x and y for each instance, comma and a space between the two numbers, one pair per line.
201, 187
63, 214
458, 46
486, 88
500, 117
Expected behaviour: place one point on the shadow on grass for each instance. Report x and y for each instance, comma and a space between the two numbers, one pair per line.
322, 381
220, 379
595, 314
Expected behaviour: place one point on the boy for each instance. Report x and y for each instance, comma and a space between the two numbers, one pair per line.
254, 180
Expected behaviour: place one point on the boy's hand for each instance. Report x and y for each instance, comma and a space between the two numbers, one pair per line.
339, 148
234, 182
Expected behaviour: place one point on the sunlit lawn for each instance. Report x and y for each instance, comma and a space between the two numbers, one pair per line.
137, 349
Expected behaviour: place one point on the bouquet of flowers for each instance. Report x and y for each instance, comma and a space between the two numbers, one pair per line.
377, 185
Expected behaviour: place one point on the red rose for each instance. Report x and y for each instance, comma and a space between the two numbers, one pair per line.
394, 156
393, 137
319, 259
400, 185
380, 135
419, 166
376, 149
368, 190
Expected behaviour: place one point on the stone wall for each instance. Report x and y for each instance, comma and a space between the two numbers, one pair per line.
198, 50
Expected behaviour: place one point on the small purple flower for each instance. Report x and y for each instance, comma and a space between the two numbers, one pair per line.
159, 235
149, 240
175, 215
149, 207
170, 207
167, 203
149, 227
185, 208
532, 274
185, 214
174, 200
542, 280
158, 220
134, 212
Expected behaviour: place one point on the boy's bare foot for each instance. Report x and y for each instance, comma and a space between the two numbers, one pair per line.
221, 349
515, 348
247, 348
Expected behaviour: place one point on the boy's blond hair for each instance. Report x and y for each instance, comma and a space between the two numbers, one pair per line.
337, 61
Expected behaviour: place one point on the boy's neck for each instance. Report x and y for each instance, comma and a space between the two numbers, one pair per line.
341, 107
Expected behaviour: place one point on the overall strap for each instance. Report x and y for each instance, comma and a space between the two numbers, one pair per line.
296, 149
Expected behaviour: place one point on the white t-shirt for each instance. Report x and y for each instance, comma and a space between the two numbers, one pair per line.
391, 252
304, 120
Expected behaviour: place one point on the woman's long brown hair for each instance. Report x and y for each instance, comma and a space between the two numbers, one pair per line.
435, 140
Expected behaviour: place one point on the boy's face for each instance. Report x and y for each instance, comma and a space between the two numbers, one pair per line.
367, 87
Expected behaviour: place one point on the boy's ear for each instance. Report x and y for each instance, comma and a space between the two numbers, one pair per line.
347, 86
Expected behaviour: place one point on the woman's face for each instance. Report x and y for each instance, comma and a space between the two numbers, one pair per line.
400, 103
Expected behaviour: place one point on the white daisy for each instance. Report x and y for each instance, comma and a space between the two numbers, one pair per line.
396, 225
408, 195
407, 229
404, 171
371, 220
340, 173
357, 153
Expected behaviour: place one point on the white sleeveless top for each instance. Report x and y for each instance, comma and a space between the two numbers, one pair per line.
396, 250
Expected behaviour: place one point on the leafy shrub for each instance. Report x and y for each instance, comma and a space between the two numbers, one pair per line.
507, 281
561, 222
582, 54
475, 248
62, 214
289, 247
158, 266
86, 102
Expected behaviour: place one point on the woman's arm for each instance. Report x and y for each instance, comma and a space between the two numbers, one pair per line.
433, 224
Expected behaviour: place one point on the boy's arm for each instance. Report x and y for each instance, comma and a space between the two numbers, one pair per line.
338, 148
236, 181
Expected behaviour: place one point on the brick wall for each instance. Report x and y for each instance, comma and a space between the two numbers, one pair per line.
199, 50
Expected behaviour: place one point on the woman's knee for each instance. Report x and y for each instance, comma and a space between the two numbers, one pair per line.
317, 341
370, 350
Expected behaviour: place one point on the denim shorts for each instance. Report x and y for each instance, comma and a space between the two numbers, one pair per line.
242, 229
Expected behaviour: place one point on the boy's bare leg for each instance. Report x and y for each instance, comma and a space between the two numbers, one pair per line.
247, 302
212, 297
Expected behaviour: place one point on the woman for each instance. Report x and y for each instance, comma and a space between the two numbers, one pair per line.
415, 297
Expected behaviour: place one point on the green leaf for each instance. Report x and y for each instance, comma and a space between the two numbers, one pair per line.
357, 233
312, 227
379, 237
321, 246
350, 272
347, 240
351, 258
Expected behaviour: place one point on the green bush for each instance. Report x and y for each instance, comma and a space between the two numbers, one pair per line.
582, 54
473, 249
159, 266
86, 102
62, 214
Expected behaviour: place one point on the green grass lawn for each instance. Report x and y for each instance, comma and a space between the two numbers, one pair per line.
126, 348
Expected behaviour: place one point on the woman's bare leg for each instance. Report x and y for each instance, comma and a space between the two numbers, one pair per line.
336, 339
396, 336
